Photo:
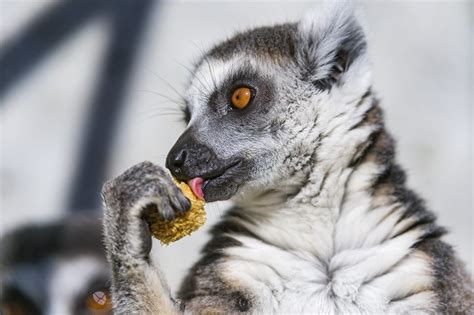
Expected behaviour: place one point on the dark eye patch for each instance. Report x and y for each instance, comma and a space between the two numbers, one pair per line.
186, 117
99, 283
260, 85
13, 300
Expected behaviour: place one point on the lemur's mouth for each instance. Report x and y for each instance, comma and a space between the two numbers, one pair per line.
199, 184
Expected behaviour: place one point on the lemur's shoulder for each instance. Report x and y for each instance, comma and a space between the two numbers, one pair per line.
452, 284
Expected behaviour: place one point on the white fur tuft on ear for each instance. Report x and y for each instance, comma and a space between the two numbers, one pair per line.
330, 39
327, 15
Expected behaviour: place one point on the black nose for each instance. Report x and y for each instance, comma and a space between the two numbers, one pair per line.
176, 160
189, 158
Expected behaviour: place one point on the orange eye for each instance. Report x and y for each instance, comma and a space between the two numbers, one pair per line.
241, 97
99, 302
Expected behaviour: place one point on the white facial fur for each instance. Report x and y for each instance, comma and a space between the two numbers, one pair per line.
70, 279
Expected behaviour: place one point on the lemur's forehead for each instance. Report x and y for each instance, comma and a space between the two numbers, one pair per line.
269, 41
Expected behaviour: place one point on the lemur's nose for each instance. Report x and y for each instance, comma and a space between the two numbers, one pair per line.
177, 160
189, 158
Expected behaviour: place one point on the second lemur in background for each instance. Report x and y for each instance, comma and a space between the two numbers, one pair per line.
55, 268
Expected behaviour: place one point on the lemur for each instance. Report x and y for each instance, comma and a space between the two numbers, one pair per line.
55, 268
283, 121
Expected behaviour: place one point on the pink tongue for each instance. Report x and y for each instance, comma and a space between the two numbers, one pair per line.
196, 186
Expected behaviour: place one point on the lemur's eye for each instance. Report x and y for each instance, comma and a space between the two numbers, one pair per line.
99, 302
241, 97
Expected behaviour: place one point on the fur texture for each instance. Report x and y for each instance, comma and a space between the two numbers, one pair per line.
323, 222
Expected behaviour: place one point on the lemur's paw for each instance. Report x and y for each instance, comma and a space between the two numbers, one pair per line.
145, 185
129, 197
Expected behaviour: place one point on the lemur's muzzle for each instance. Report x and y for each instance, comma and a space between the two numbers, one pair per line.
209, 175
194, 162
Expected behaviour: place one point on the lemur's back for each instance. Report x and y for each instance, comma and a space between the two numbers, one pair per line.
283, 121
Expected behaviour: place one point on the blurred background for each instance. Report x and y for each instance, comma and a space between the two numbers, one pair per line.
88, 88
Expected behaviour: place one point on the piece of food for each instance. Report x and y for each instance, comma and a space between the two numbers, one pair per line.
184, 223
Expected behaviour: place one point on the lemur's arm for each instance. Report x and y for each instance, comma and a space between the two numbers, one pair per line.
137, 285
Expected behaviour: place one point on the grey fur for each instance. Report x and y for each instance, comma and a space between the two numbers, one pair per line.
128, 239
297, 153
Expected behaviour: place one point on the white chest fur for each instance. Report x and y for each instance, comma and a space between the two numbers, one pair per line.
338, 254
292, 282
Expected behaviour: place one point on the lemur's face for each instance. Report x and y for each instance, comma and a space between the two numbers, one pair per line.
254, 109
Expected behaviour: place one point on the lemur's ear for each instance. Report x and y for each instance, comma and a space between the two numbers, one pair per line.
329, 40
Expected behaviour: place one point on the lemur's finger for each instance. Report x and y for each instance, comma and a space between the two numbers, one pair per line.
164, 209
177, 199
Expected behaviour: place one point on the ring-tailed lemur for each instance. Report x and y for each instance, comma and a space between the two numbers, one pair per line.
56, 268
283, 121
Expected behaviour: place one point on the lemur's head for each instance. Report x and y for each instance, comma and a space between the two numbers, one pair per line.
267, 104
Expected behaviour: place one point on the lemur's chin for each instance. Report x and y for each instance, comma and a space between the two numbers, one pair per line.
225, 185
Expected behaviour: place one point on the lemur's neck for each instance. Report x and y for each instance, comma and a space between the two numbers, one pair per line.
357, 200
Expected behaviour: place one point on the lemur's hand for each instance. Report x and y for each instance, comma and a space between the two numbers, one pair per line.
137, 285
127, 198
